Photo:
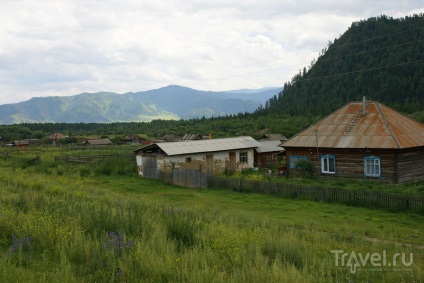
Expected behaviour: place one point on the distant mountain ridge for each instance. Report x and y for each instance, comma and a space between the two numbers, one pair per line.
171, 102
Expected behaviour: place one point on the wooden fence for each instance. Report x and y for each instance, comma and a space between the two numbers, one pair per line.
93, 158
185, 178
370, 199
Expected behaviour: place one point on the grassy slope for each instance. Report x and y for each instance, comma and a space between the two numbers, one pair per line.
355, 222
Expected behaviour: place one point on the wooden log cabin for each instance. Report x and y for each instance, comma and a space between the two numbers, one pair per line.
364, 140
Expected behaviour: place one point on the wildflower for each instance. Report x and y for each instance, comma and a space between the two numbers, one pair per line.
116, 243
19, 244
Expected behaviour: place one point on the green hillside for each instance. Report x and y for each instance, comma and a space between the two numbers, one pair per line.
381, 58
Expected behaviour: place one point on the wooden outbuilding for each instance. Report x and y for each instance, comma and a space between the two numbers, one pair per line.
21, 143
98, 142
133, 139
268, 154
362, 140
272, 137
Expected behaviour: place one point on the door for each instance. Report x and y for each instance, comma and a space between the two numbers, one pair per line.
150, 167
209, 164
232, 161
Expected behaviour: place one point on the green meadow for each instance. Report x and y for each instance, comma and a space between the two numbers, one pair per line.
72, 222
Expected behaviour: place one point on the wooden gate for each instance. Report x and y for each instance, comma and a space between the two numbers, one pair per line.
150, 167
189, 178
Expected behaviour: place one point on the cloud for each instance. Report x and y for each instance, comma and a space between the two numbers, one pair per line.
67, 47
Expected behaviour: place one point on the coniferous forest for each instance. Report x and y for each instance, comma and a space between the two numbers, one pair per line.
381, 58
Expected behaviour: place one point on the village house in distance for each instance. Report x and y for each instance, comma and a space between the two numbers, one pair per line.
362, 140
210, 155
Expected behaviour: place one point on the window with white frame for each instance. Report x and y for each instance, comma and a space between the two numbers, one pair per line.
328, 164
372, 166
243, 157
296, 158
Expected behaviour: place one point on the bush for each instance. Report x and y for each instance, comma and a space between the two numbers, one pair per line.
306, 167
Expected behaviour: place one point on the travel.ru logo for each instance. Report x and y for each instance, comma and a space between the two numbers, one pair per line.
355, 260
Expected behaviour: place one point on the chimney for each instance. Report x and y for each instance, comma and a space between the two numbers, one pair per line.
363, 106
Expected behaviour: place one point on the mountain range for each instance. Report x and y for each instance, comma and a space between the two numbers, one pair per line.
171, 102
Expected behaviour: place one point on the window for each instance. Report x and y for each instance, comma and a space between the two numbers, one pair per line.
243, 157
328, 164
294, 159
188, 159
372, 166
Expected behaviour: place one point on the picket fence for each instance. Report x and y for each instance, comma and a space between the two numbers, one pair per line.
370, 199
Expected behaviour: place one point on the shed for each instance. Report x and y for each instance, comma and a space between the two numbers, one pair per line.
133, 139
212, 156
98, 142
272, 137
362, 140
21, 143
267, 155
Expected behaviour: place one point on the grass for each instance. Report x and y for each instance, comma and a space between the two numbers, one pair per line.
60, 225
416, 188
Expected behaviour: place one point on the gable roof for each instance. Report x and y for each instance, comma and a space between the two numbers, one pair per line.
269, 146
200, 146
381, 127
57, 136
192, 137
273, 137
132, 137
21, 142
99, 142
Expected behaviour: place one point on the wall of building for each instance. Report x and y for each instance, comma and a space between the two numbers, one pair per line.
410, 165
349, 162
220, 161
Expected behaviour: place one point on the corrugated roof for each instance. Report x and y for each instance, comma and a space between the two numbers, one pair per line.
381, 127
269, 146
200, 146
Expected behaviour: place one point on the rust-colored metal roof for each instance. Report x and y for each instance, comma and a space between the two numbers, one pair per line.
380, 127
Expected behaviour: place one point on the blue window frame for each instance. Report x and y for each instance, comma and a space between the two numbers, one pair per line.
294, 159
372, 166
328, 164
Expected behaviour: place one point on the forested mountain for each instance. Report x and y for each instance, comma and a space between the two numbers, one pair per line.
381, 58
171, 102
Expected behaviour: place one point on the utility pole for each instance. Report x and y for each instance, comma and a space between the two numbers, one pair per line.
319, 163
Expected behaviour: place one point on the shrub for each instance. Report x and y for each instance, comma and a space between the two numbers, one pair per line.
306, 167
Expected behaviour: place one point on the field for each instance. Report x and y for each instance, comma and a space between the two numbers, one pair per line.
63, 222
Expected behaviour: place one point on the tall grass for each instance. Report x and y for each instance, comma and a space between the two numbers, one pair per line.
57, 225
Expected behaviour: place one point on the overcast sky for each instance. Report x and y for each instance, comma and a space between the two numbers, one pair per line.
66, 47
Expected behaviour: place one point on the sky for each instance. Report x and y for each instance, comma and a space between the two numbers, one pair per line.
66, 47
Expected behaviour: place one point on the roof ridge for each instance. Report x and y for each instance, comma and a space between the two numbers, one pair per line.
387, 125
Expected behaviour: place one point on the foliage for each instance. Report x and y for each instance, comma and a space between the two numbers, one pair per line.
380, 58
306, 167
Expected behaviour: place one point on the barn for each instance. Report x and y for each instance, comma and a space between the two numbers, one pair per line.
98, 142
363, 140
211, 155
